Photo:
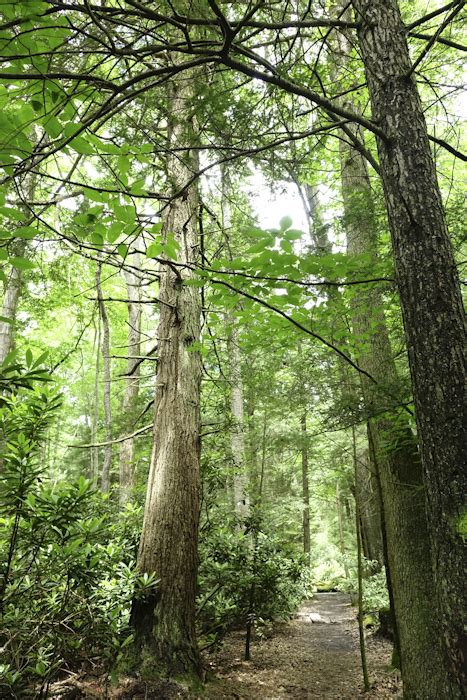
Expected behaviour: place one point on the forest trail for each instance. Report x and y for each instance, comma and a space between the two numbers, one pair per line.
315, 655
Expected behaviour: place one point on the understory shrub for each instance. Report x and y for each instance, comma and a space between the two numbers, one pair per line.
375, 592
67, 575
246, 576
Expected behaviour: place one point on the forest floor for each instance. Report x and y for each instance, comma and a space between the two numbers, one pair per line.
314, 655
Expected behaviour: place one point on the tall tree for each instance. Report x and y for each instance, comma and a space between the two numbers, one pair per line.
431, 304
130, 395
305, 488
106, 394
396, 455
165, 622
11, 295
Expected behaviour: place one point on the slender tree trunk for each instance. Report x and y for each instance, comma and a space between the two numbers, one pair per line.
130, 395
340, 519
305, 490
370, 510
105, 349
95, 407
240, 479
358, 532
431, 305
237, 441
12, 291
164, 622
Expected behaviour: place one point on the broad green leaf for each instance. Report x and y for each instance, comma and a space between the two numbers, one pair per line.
97, 239
154, 250
21, 263
82, 146
94, 195
13, 214
114, 232
27, 232
285, 223
53, 127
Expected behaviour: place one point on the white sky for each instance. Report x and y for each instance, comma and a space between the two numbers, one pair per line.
270, 206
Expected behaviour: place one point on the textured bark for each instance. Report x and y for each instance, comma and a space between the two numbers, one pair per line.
130, 395
398, 461
370, 509
11, 294
431, 306
94, 418
105, 349
340, 520
305, 490
165, 621
240, 478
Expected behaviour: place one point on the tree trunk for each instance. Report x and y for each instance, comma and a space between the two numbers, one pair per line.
358, 532
399, 463
105, 349
240, 479
431, 306
340, 519
130, 395
305, 490
94, 417
12, 291
164, 622
370, 510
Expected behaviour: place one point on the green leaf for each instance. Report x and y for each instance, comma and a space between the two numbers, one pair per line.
53, 127
124, 164
95, 195
154, 250
4, 319
13, 214
21, 263
122, 250
97, 239
28, 357
27, 232
293, 234
114, 232
81, 145
285, 223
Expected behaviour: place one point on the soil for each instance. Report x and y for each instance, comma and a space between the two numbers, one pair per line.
315, 655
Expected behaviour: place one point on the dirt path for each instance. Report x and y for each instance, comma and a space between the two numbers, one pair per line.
316, 655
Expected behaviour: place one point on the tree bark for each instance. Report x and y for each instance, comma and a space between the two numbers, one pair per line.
358, 533
164, 621
340, 520
94, 417
105, 350
398, 461
130, 395
370, 510
305, 490
11, 294
240, 478
431, 305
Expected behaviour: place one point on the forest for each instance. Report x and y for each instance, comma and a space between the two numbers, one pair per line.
232, 349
